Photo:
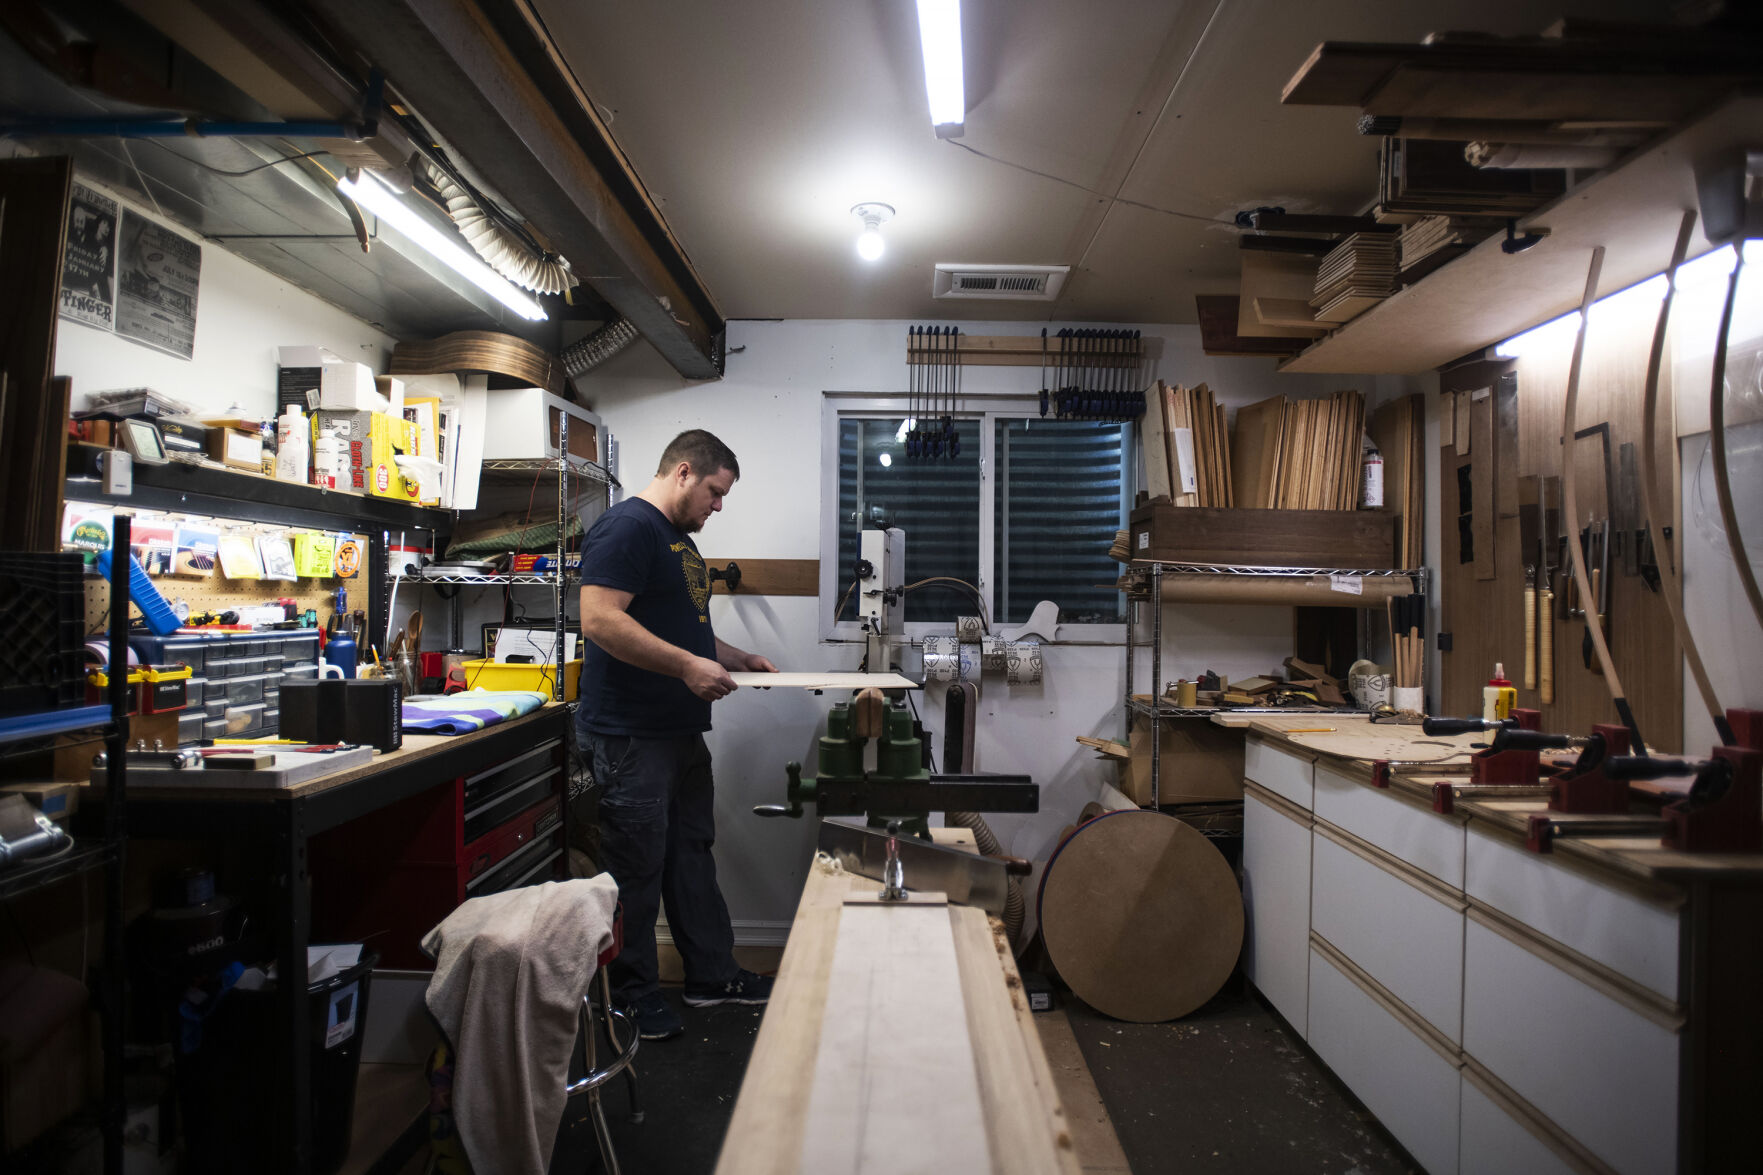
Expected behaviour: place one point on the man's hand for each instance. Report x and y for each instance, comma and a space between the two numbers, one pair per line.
707, 679
757, 664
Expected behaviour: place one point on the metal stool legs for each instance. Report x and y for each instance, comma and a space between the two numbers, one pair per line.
594, 1078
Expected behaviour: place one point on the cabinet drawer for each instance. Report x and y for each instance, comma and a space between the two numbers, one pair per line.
1406, 937
1387, 1062
510, 774
1276, 906
1497, 1140
1597, 1066
1280, 772
1401, 827
1632, 936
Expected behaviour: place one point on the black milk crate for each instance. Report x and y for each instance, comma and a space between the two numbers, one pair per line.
42, 631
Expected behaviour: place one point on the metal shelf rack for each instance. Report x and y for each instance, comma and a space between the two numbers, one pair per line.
565, 468
1144, 583
25, 732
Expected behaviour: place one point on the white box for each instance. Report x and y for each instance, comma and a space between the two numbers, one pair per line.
392, 388
349, 387
522, 423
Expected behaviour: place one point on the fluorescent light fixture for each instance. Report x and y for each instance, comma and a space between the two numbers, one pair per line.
1638, 299
371, 193
939, 36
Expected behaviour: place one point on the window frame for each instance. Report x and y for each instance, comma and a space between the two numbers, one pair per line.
837, 406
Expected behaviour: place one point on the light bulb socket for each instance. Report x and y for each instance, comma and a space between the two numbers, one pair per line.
873, 215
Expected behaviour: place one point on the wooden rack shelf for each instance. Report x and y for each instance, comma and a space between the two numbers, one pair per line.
1632, 209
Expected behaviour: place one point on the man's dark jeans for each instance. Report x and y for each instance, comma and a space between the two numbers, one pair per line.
657, 824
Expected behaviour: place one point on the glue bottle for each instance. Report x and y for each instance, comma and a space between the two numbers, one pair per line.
1498, 697
293, 446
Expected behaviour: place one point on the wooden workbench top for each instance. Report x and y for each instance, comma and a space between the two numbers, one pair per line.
1025, 1124
1350, 748
416, 747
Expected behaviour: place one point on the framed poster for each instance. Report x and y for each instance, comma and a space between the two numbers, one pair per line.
88, 267
157, 277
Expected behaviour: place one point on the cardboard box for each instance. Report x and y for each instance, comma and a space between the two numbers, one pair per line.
236, 448
1198, 761
346, 386
522, 423
371, 441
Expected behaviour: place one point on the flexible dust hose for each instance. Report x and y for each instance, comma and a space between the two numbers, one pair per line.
501, 250
986, 841
1717, 441
1672, 585
1570, 504
582, 357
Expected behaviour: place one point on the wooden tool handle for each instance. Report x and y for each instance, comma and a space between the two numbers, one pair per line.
1530, 637
1546, 645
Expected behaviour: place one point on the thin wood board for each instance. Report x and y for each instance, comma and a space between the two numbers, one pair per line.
824, 680
895, 1087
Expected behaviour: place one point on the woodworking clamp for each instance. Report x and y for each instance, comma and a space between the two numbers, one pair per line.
1502, 761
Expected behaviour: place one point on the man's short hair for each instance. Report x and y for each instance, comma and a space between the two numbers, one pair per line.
707, 455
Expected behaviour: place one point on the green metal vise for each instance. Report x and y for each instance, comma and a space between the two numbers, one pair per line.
900, 788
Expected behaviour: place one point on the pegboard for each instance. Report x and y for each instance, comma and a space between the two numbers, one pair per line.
217, 593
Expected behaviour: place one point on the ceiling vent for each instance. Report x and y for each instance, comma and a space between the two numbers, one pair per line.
1004, 283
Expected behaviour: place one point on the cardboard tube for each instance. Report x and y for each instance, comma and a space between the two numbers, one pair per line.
1311, 590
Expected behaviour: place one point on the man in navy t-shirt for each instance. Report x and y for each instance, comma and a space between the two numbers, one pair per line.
650, 669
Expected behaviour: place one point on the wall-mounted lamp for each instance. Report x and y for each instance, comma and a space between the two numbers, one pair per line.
870, 245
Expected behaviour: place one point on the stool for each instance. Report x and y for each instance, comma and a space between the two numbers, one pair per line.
593, 1078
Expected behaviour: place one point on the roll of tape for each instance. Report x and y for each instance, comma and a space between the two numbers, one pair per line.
992, 654
968, 629
1022, 663
942, 658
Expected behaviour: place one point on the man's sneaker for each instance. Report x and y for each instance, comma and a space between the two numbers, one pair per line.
744, 988
655, 1017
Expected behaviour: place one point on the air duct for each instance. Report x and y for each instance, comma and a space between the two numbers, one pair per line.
501, 250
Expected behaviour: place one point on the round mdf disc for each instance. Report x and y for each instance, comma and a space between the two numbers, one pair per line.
1141, 916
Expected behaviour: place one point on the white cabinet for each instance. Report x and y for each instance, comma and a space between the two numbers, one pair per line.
1497, 1141
1402, 1075
1406, 934
1284, 774
1276, 903
1394, 823
1624, 931
1602, 1067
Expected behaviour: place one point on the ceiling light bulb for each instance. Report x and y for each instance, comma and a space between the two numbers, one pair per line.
870, 245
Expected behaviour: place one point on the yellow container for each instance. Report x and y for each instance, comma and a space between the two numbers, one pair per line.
500, 675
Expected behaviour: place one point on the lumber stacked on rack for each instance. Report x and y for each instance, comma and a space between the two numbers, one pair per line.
1196, 446
1356, 275
481, 350
1398, 429
1299, 454
1430, 241
1431, 177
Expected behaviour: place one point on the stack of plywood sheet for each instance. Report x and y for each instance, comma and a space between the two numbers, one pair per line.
1299, 454
1197, 446
1356, 275
1398, 430
1431, 241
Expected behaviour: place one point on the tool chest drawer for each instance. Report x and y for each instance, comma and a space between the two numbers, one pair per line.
1394, 823
534, 862
1402, 1075
508, 803
1498, 1140
1276, 904
496, 846
1597, 1062
1619, 928
1280, 772
1403, 933
488, 784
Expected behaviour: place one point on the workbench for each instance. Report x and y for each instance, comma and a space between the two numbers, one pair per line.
1588, 1009
277, 823
1023, 1121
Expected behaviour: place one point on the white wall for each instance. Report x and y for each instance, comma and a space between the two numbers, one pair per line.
243, 313
768, 409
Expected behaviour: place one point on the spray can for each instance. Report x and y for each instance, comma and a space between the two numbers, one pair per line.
1371, 478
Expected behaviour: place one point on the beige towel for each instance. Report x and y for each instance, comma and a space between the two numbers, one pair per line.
510, 973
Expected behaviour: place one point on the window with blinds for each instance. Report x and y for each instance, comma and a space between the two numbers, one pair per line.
1060, 491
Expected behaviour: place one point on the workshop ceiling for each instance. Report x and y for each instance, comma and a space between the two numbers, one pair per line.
756, 126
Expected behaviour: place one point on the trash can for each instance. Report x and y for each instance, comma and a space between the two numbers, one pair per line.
227, 1081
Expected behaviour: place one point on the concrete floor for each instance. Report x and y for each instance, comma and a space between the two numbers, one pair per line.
1228, 1089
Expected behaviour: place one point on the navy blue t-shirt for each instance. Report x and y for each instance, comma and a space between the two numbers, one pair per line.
634, 548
